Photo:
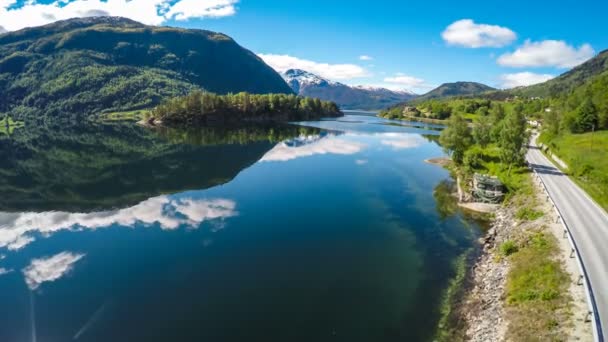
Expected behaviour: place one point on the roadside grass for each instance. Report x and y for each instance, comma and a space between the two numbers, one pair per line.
537, 298
587, 157
528, 214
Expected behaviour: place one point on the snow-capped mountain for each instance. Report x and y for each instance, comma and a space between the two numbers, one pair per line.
305, 83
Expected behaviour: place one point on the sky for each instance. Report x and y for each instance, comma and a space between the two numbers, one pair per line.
409, 45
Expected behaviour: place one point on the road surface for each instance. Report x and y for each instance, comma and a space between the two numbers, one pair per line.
588, 224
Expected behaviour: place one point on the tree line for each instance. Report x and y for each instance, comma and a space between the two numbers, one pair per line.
205, 107
507, 130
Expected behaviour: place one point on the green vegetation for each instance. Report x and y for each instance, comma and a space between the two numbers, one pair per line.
456, 138
454, 89
567, 82
495, 145
133, 115
508, 247
8, 125
536, 290
587, 158
104, 166
80, 67
207, 109
528, 214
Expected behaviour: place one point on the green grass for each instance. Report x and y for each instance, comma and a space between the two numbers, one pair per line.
517, 181
528, 214
536, 291
587, 159
508, 247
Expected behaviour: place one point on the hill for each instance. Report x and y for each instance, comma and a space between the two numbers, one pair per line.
454, 89
347, 97
568, 81
91, 65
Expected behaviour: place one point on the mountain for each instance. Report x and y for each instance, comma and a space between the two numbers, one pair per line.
360, 97
455, 89
103, 64
569, 81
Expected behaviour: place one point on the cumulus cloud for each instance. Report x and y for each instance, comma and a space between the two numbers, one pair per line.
151, 12
18, 229
407, 81
366, 58
312, 145
282, 63
547, 53
49, 269
401, 141
469, 34
521, 79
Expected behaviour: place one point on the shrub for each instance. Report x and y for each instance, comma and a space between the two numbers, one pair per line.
508, 247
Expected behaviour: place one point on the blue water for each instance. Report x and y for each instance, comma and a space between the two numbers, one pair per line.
328, 233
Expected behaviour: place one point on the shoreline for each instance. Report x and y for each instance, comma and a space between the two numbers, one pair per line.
478, 309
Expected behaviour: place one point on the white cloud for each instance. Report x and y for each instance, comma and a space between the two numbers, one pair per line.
49, 269
282, 63
151, 12
366, 58
523, 79
467, 33
547, 53
17, 229
312, 145
2, 29
401, 141
4, 271
404, 80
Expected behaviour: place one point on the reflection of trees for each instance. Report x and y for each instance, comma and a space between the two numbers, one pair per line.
446, 202
234, 135
95, 167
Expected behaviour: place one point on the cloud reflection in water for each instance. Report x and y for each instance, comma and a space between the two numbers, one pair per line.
17, 229
307, 146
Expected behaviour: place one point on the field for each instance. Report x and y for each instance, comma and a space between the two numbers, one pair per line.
587, 157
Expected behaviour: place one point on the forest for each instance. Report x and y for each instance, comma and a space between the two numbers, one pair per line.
203, 108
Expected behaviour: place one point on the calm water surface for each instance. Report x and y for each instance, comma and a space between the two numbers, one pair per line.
333, 230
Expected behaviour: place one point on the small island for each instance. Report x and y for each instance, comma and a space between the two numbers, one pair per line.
207, 109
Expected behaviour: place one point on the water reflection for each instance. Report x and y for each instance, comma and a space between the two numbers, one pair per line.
306, 146
19, 229
49, 269
99, 167
400, 141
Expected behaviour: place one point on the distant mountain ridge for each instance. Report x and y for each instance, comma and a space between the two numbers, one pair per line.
305, 83
90, 65
455, 89
567, 81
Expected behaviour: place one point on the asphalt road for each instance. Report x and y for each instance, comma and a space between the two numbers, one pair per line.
588, 224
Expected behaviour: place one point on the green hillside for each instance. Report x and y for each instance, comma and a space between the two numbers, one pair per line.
86, 66
568, 81
454, 89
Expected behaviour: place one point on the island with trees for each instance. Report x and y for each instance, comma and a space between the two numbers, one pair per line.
207, 109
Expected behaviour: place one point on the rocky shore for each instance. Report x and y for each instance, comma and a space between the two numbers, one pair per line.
483, 310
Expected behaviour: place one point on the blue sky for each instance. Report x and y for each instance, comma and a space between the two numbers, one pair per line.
507, 44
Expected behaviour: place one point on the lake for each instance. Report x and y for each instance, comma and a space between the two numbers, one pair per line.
334, 230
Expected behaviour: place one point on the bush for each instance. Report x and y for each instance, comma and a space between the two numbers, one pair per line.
528, 214
508, 247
